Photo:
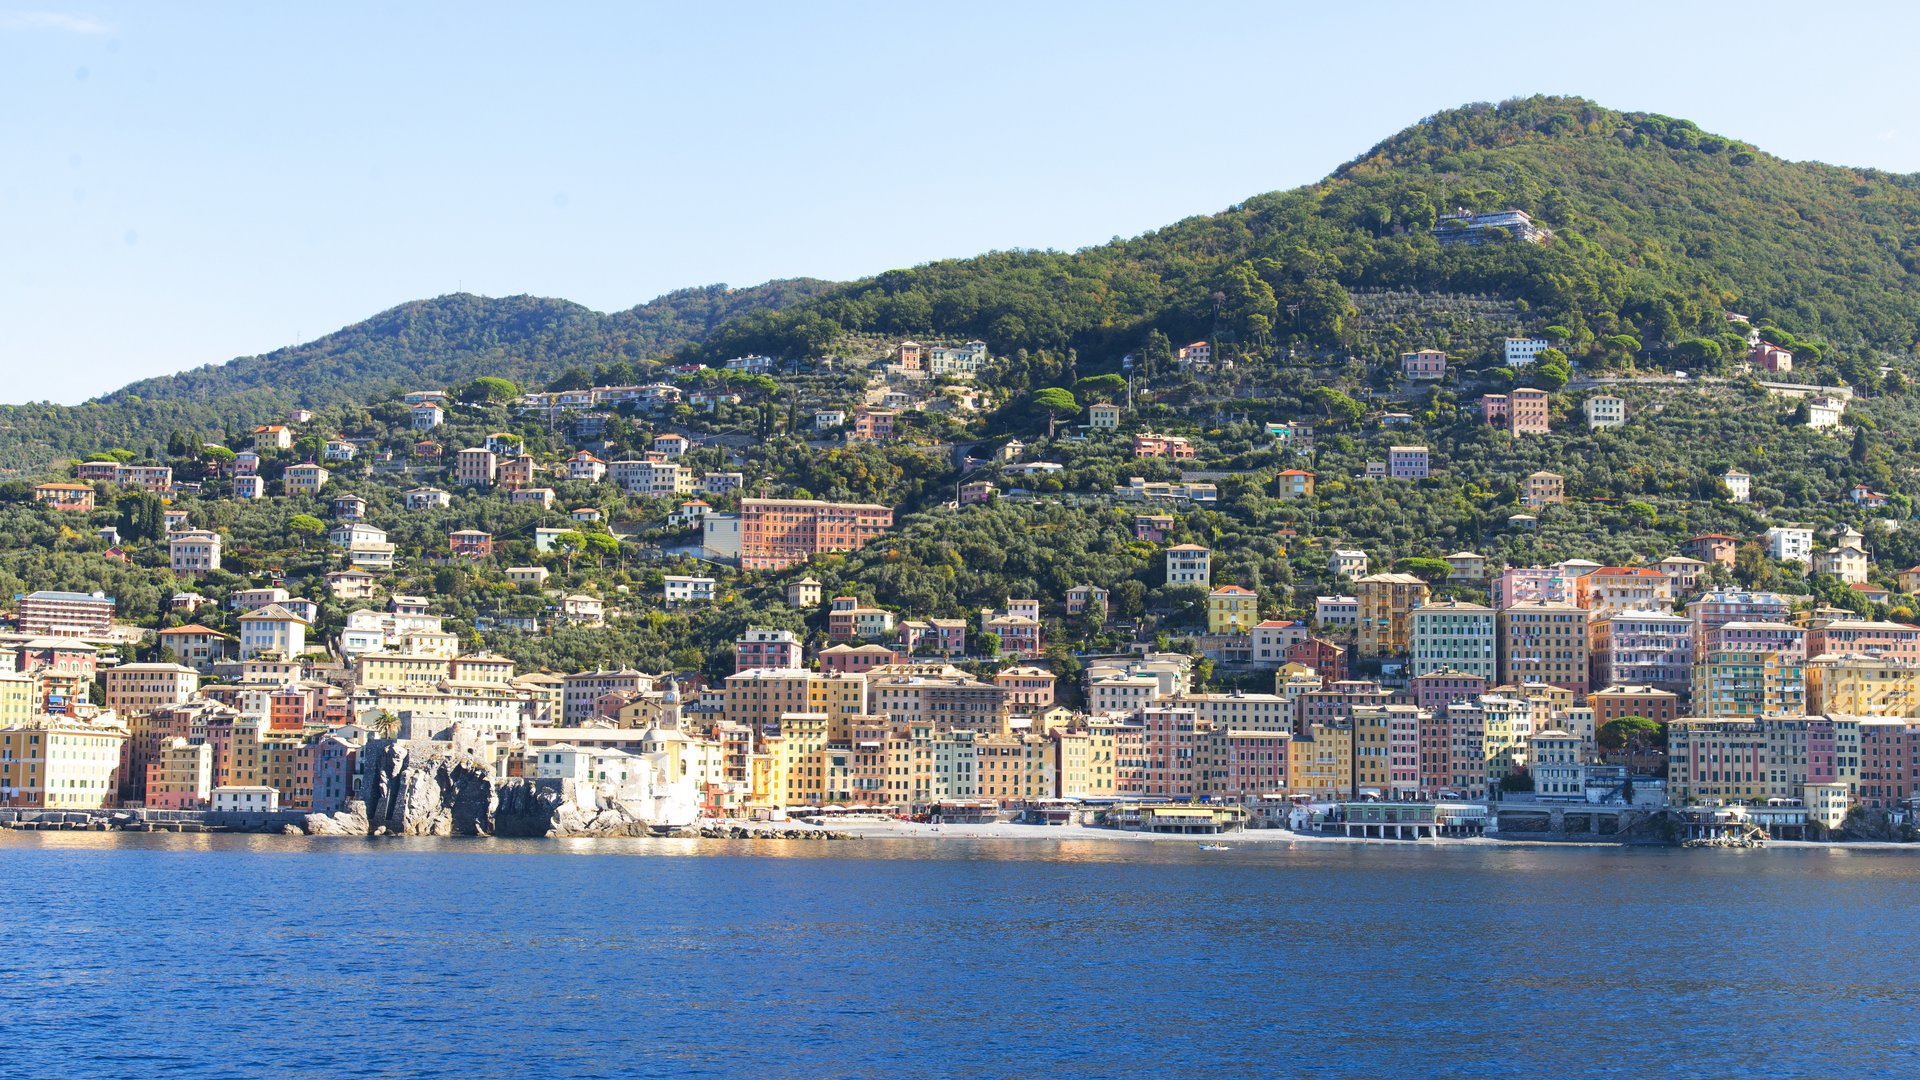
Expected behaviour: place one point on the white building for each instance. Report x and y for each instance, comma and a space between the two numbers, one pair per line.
272, 629
193, 551
1824, 412
681, 589
1604, 411
1336, 610
239, 798
1789, 544
1521, 351
1739, 485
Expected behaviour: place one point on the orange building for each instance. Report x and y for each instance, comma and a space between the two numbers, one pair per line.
778, 533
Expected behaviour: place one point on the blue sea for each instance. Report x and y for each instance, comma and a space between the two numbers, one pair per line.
245, 956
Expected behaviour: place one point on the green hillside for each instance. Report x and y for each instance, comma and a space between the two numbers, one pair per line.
424, 344
1658, 228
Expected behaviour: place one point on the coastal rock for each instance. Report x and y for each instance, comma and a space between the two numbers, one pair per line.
349, 822
431, 790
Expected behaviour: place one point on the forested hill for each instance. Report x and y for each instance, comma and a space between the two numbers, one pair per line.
1659, 227
427, 344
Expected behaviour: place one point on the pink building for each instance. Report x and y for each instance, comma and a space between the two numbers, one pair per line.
1424, 364
1771, 358
854, 659
1436, 690
1897, 641
1152, 528
1534, 584
1408, 463
766, 649
1760, 637
1528, 411
1169, 743
1249, 763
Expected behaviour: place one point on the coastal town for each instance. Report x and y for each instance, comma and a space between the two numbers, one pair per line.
1377, 696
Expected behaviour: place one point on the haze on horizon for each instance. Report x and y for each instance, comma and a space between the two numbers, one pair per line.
190, 184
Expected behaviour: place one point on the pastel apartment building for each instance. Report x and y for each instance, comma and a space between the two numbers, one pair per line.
1424, 364
1739, 485
1524, 411
1386, 604
1294, 484
1455, 636
476, 466
65, 496
1232, 609
1896, 641
193, 551
1518, 352
1604, 411
1347, 562
1544, 642
1641, 648
1146, 444
1770, 358
687, 589
50, 613
1786, 543
1189, 564
1408, 463
1543, 489
778, 533
305, 479
470, 544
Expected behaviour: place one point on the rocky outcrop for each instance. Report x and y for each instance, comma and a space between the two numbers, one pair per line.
427, 792
430, 790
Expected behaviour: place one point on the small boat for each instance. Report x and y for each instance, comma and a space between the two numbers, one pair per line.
1215, 847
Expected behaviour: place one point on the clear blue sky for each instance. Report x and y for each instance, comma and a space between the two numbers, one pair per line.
182, 184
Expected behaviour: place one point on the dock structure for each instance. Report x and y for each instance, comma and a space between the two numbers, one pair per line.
1411, 821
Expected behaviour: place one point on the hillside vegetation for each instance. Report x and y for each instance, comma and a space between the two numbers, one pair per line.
424, 344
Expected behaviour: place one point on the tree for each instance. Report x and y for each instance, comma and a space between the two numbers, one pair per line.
600, 545
306, 525
989, 643
1339, 409
1633, 734
1550, 370
142, 516
1101, 388
1058, 402
489, 388
1431, 571
568, 544
1618, 733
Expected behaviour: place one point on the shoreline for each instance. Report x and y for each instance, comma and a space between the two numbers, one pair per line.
906, 830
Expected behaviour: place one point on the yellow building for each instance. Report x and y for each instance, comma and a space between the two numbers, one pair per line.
1857, 685
758, 696
802, 744
1013, 768
1232, 609
61, 763
1320, 762
1385, 603
401, 669
17, 696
